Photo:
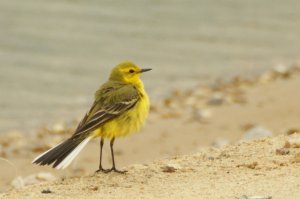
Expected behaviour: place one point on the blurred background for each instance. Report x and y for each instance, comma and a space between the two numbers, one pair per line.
55, 54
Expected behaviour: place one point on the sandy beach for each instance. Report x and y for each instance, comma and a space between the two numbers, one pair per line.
236, 139
253, 169
224, 120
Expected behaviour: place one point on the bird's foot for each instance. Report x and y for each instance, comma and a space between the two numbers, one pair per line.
102, 170
114, 169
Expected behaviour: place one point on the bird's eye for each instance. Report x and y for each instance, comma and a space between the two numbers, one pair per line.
131, 71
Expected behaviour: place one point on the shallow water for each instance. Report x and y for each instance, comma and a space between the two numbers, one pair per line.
54, 54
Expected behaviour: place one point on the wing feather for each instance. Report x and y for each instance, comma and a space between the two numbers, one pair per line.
109, 104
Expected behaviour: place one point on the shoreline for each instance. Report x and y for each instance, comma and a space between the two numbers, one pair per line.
81, 104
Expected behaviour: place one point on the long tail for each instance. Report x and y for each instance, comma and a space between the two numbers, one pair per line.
62, 154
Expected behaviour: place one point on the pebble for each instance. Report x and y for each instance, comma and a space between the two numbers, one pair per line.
59, 128
46, 191
171, 168
281, 69
257, 132
216, 99
220, 142
293, 142
292, 131
201, 114
20, 182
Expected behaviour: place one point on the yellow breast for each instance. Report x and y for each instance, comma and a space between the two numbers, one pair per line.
129, 122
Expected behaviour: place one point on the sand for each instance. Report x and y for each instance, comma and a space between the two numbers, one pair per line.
246, 169
174, 156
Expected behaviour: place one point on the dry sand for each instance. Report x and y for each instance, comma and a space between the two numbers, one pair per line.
253, 168
187, 124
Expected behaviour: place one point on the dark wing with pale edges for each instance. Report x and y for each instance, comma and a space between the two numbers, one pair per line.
111, 100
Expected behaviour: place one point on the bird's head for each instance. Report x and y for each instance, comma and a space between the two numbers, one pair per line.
127, 72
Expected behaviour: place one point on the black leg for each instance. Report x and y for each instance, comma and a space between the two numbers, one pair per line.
113, 157
100, 164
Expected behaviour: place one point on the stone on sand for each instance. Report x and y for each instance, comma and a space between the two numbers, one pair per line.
257, 132
20, 182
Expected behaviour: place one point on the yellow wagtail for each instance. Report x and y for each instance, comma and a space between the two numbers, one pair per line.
120, 108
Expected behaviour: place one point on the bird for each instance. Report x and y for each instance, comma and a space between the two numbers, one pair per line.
120, 108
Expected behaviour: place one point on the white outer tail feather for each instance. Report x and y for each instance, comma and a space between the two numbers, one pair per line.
67, 161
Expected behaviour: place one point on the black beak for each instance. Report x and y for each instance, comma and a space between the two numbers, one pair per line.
145, 70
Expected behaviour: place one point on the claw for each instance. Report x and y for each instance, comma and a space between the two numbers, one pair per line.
113, 169
102, 170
